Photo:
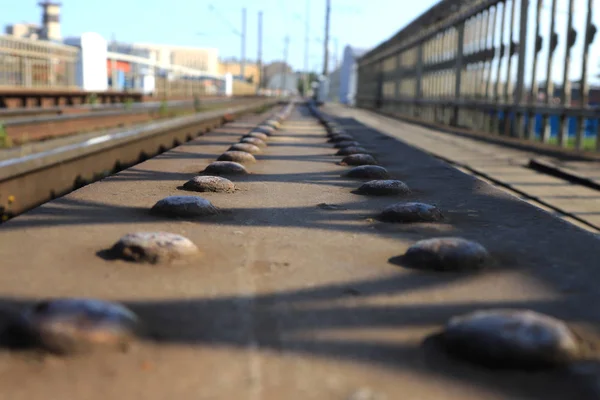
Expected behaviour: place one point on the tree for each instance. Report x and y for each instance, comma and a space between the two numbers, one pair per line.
312, 77
275, 68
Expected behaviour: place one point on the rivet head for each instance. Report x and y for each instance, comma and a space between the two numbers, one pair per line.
367, 172
346, 143
69, 326
247, 147
184, 206
271, 122
209, 184
153, 247
257, 135
384, 187
255, 141
346, 151
513, 339
411, 212
359, 159
267, 130
237, 156
225, 168
340, 138
447, 254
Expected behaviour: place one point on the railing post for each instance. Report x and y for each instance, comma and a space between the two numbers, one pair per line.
458, 72
398, 79
419, 80
518, 97
563, 132
533, 100
584, 88
546, 128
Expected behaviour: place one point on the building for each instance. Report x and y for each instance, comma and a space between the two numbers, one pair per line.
50, 28
50, 21
205, 59
343, 81
23, 31
251, 71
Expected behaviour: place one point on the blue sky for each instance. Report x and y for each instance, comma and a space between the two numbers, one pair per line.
357, 22
190, 22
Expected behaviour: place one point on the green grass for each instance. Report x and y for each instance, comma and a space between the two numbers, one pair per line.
588, 143
128, 104
164, 109
5, 140
263, 109
197, 104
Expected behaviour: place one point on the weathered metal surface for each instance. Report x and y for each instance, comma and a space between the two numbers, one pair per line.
292, 300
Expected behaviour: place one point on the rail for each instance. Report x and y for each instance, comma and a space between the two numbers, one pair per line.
28, 129
39, 177
9, 116
492, 66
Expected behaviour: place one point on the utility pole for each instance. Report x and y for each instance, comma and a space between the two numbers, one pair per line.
306, 41
326, 41
285, 59
259, 59
243, 60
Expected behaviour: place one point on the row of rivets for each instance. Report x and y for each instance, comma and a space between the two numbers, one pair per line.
67, 326
497, 337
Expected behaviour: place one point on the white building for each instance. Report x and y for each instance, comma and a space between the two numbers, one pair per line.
343, 81
205, 59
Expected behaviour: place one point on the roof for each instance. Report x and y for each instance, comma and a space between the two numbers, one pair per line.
358, 52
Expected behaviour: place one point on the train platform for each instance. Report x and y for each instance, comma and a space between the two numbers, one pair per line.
299, 291
565, 186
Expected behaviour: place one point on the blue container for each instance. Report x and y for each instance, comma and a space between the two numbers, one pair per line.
590, 125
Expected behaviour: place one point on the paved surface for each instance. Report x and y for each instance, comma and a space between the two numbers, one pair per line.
291, 300
578, 204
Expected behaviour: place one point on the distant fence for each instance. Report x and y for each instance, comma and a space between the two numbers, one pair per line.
187, 87
36, 64
487, 65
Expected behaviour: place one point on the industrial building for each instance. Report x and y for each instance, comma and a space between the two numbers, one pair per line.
49, 29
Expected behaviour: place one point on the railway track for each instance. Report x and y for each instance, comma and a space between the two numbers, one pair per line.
300, 289
26, 129
27, 181
29, 112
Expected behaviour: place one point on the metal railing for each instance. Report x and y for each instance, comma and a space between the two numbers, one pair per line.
35, 63
518, 68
